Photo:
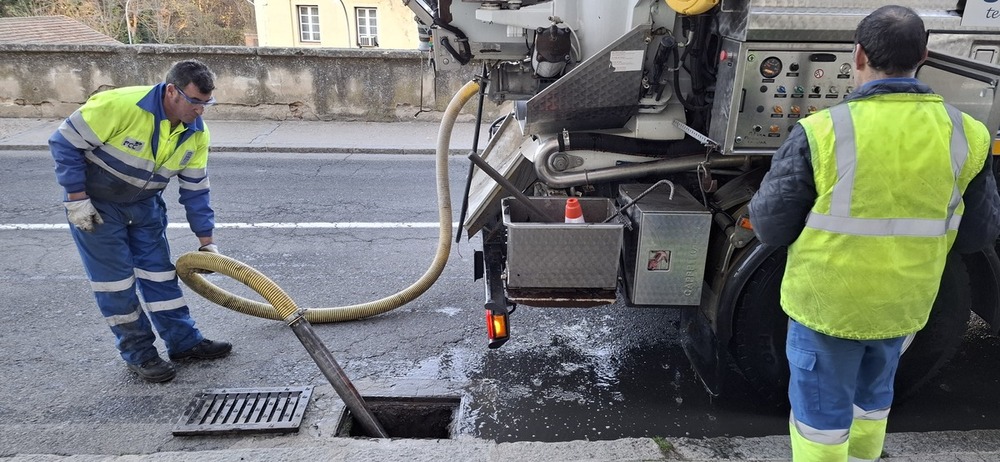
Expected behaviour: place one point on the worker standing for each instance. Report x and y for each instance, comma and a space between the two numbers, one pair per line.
869, 196
114, 156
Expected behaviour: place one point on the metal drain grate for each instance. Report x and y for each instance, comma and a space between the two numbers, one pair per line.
244, 410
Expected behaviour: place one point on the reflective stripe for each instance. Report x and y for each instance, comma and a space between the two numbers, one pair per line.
846, 153
845, 150
907, 342
112, 286
195, 172
155, 276
191, 186
959, 144
876, 414
83, 128
127, 158
141, 184
165, 305
120, 319
828, 437
167, 172
71, 135
855, 459
959, 154
923, 227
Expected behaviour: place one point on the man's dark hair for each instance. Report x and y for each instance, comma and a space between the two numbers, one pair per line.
190, 71
894, 39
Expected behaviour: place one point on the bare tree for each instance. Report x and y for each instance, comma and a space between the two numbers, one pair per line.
16, 8
195, 22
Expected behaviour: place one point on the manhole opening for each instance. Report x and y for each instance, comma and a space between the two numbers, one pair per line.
429, 417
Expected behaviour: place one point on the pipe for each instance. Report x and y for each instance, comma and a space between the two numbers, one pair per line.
189, 263
283, 305
659, 167
324, 359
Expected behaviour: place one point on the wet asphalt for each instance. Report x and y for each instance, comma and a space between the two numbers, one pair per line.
567, 375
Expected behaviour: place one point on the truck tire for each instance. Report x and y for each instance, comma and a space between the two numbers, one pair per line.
758, 343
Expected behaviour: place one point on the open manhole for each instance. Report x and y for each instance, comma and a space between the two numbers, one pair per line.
425, 417
244, 410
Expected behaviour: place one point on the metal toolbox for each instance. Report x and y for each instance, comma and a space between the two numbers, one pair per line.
553, 254
664, 254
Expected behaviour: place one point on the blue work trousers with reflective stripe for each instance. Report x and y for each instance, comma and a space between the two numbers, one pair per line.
830, 375
132, 245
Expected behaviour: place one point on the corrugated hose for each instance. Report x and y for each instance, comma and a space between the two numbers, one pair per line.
281, 306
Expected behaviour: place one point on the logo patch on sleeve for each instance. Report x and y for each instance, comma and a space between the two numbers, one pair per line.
187, 157
133, 144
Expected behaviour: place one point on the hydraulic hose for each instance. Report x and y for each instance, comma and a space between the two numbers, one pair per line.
189, 263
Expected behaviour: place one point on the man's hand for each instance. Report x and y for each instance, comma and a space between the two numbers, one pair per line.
212, 248
83, 215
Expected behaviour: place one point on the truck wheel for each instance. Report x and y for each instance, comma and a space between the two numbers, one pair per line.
759, 327
758, 343
941, 338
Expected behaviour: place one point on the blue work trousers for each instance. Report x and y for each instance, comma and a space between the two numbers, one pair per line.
838, 387
130, 249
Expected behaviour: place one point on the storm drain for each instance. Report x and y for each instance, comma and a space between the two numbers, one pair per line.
425, 417
244, 410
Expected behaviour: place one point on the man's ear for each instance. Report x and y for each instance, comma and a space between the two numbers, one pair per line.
923, 58
861, 58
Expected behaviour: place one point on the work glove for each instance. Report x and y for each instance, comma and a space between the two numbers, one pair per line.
83, 215
208, 248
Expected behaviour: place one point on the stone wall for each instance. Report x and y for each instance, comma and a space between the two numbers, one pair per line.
51, 81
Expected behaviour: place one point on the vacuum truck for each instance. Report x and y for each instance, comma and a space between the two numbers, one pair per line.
659, 118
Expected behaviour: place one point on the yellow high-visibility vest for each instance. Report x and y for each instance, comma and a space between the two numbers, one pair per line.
890, 171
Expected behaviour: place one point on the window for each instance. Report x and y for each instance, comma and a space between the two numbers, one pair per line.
309, 23
367, 27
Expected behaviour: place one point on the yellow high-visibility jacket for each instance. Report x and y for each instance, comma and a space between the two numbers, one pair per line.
889, 172
119, 147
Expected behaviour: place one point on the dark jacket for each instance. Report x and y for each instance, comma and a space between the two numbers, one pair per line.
779, 209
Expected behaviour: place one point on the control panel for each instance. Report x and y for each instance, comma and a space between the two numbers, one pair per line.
773, 86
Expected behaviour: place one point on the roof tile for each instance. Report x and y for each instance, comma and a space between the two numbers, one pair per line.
54, 30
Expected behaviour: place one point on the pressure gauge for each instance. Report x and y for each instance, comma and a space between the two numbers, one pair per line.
770, 67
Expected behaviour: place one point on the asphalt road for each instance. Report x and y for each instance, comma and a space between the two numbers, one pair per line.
567, 374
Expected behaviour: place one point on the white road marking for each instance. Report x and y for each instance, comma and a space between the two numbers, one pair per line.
305, 225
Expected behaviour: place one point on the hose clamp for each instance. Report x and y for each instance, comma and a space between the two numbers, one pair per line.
295, 316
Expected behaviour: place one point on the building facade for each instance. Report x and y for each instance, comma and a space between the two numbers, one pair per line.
387, 24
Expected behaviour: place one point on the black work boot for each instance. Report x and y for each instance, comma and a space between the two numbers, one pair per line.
206, 349
155, 370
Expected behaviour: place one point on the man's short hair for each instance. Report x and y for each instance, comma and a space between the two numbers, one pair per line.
186, 72
894, 39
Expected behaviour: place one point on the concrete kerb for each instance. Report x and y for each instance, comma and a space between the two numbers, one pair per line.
978, 446
405, 137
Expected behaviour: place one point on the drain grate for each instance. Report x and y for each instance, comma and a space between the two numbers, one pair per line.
244, 410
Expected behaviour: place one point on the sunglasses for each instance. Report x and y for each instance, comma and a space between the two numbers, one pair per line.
195, 101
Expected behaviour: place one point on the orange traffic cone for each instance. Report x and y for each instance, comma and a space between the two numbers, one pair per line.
574, 214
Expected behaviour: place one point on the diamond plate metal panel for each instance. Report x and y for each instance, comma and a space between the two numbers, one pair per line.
244, 410
554, 254
823, 21
592, 95
666, 250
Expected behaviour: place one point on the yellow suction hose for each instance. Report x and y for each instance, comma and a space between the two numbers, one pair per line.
281, 306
